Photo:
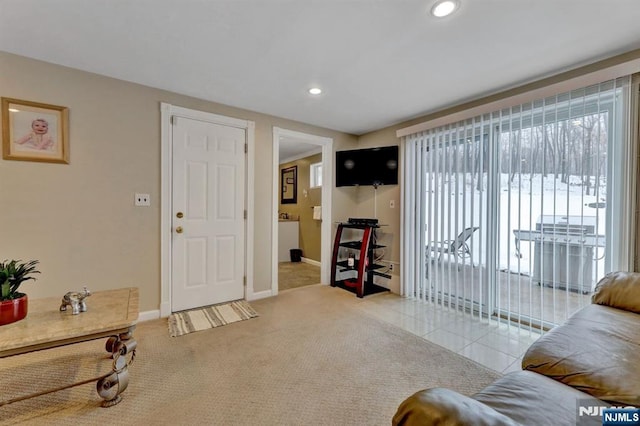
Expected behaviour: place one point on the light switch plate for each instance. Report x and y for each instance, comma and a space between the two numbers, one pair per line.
142, 200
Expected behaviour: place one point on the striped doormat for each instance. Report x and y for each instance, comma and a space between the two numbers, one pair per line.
185, 322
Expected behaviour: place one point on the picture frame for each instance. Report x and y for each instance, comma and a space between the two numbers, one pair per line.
289, 185
34, 131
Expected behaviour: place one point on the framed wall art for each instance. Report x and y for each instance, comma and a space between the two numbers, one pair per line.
289, 185
33, 131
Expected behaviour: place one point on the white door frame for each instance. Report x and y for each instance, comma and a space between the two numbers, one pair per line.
166, 112
327, 184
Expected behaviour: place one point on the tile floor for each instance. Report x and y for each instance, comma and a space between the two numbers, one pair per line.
498, 346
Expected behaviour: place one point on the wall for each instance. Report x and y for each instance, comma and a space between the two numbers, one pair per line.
377, 203
79, 219
310, 236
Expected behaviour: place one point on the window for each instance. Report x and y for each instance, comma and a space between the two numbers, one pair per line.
315, 173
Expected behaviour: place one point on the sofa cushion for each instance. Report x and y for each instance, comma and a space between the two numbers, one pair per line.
532, 399
440, 406
596, 351
619, 290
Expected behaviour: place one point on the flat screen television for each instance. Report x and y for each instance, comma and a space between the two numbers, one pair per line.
372, 166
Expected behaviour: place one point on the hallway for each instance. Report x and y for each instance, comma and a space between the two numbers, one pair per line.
297, 274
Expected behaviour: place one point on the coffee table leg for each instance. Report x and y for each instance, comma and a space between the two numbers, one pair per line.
110, 387
115, 344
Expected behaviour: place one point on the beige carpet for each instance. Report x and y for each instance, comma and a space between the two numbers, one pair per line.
185, 322
297, 274
312, 357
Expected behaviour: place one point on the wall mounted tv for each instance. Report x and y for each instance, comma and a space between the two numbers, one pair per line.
372, 166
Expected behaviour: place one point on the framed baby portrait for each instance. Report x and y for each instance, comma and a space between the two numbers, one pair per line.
32, 131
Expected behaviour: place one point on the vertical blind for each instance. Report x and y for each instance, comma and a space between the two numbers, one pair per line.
516, 214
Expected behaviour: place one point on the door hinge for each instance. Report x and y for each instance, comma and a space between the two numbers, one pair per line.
245, 215
244, 280
246, 148
174, 120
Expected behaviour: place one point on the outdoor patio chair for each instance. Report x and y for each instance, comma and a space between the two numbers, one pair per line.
457, 247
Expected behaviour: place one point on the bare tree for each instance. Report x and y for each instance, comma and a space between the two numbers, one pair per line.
589, 122
563, 148
515, 154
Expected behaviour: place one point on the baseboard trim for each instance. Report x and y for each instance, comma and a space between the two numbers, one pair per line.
148, 315
311, 261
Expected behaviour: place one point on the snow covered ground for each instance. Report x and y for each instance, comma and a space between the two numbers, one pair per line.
458, 204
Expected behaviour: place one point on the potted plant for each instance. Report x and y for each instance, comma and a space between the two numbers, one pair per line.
13, 304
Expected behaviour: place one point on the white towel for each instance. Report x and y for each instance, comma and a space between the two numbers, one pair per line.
317, 212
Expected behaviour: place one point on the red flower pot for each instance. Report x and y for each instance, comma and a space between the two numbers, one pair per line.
13, 310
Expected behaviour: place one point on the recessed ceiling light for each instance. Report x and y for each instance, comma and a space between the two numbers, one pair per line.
444, 8
315, 90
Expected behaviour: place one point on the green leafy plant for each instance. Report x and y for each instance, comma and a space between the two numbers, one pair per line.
12, 274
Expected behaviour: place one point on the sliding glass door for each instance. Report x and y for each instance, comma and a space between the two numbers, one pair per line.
511, 215
455, 209
553, 169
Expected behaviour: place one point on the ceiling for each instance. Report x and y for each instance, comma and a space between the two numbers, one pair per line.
379, 62
291, 148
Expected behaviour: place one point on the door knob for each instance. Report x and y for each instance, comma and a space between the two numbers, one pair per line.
179, 215
179, 229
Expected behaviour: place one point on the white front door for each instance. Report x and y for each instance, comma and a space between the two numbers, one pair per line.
208, 226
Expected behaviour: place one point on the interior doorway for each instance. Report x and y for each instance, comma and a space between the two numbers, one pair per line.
289, 146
